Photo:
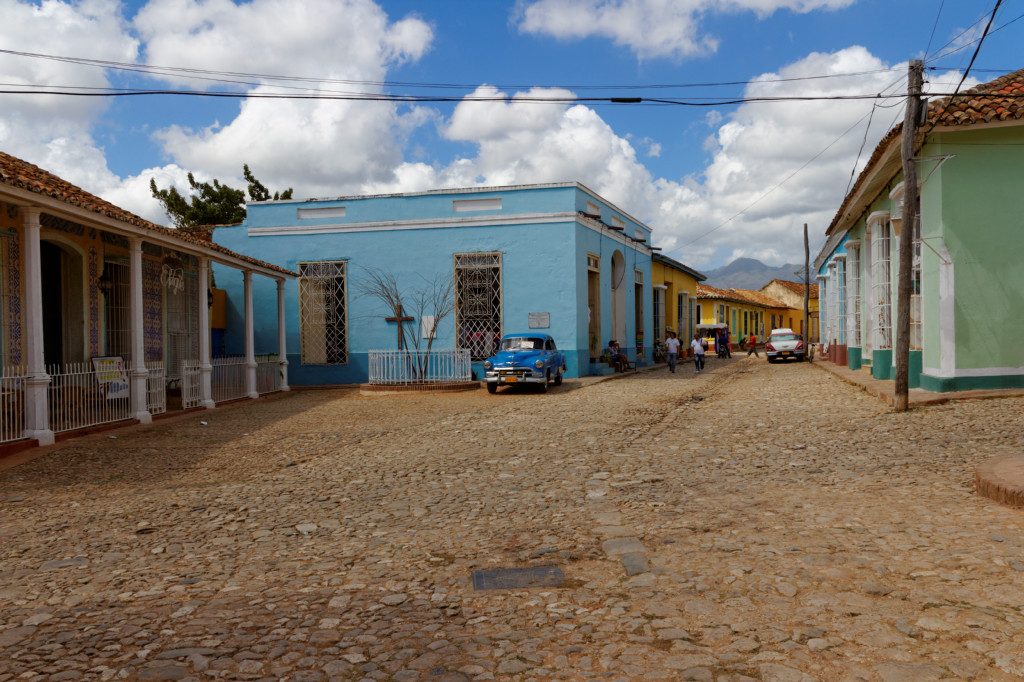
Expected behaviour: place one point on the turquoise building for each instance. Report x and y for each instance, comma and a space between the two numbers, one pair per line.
966, 305
556, 258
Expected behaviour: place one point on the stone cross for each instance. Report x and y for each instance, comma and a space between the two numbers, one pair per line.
400, 318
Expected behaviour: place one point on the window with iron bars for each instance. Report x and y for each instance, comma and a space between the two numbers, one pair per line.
915, 287
853, 297
116, 310
881, 286
682, 312
478, 303
5, 303
323, 312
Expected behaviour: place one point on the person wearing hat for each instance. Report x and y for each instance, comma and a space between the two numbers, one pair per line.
671, 350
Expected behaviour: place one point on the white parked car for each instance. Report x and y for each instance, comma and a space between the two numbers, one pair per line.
784, 344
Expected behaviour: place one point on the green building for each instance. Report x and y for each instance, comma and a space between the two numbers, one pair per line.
967, 303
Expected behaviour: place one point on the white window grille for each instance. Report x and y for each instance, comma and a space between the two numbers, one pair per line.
659, 313
478, 303
840, 311
881, 285
117, 310
323, 313
179, 321
853, 297
915, 288
823, 308
5, 301
682, 316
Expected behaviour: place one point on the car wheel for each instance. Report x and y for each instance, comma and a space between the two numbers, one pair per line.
492, 387
544, 384
771, 361
558, 379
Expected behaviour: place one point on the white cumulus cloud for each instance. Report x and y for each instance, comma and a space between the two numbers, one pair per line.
650, 28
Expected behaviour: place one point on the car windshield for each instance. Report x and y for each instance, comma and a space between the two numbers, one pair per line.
785, 337
522, 343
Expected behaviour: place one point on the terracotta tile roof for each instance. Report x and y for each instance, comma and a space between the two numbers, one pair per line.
738, 296
995, 101
15, 172
795, 287
758, 298
998, 100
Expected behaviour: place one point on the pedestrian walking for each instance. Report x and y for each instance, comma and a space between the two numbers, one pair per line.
752, 346
672, 350
698, 345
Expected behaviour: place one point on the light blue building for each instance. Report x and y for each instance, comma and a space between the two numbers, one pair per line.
553, 257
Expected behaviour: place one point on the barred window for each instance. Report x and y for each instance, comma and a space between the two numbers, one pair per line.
881, 285
116, 309
853, 297
478, 303
5, 303
682, 314
323, 313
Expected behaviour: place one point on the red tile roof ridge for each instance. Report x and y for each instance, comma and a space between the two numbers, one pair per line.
19, 173
946, 111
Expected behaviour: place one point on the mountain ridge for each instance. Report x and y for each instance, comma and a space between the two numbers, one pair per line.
750, 273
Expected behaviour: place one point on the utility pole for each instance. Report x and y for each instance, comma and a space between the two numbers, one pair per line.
915, 80
807, 295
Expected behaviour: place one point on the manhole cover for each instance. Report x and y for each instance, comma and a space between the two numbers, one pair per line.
513, 578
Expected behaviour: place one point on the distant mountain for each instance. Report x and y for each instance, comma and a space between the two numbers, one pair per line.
749, 273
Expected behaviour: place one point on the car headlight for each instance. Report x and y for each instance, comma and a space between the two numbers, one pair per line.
538, 364
487, 364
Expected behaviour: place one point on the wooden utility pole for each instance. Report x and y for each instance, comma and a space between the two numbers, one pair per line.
911, 118
807, 295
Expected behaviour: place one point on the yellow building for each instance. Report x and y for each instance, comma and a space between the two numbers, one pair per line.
791, 294
745, 312
674, 288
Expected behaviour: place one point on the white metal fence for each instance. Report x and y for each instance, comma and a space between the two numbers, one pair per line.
228, 379
191, 396
156, 388
78, 399
399, 367
268, 374
12, 403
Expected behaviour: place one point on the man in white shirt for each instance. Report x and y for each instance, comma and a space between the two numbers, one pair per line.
698, 352
672, 350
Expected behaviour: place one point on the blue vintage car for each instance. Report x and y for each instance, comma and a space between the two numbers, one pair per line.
525, 359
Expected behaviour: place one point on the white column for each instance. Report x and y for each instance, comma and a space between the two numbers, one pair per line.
37, 414
250, 340
205, 368
139, 374
282, 329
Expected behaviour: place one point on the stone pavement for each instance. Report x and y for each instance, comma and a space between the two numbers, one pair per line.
755, 522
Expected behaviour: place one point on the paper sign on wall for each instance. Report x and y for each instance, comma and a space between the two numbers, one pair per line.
540, 320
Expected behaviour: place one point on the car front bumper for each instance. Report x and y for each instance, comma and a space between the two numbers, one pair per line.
514, 375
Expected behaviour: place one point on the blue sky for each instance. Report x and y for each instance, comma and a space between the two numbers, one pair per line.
714, 182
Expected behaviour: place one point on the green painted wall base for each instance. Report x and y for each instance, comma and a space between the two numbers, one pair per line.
853, 357
914, 370
881, 363
947, 384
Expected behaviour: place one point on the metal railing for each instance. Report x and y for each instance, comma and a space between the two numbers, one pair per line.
77, 399
156, 388
191, 395
399, 367
228, 379
268, 373
12, 403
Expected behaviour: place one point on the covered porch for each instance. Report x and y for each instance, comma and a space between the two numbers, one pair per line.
106, 318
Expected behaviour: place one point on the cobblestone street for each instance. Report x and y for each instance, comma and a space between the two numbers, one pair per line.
756, 521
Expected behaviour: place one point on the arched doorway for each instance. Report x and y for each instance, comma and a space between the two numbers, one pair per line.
63, 304
619, 299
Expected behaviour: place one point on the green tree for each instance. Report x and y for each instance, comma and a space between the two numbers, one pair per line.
212, 203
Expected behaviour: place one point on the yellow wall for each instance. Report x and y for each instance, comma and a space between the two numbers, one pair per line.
676, 282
